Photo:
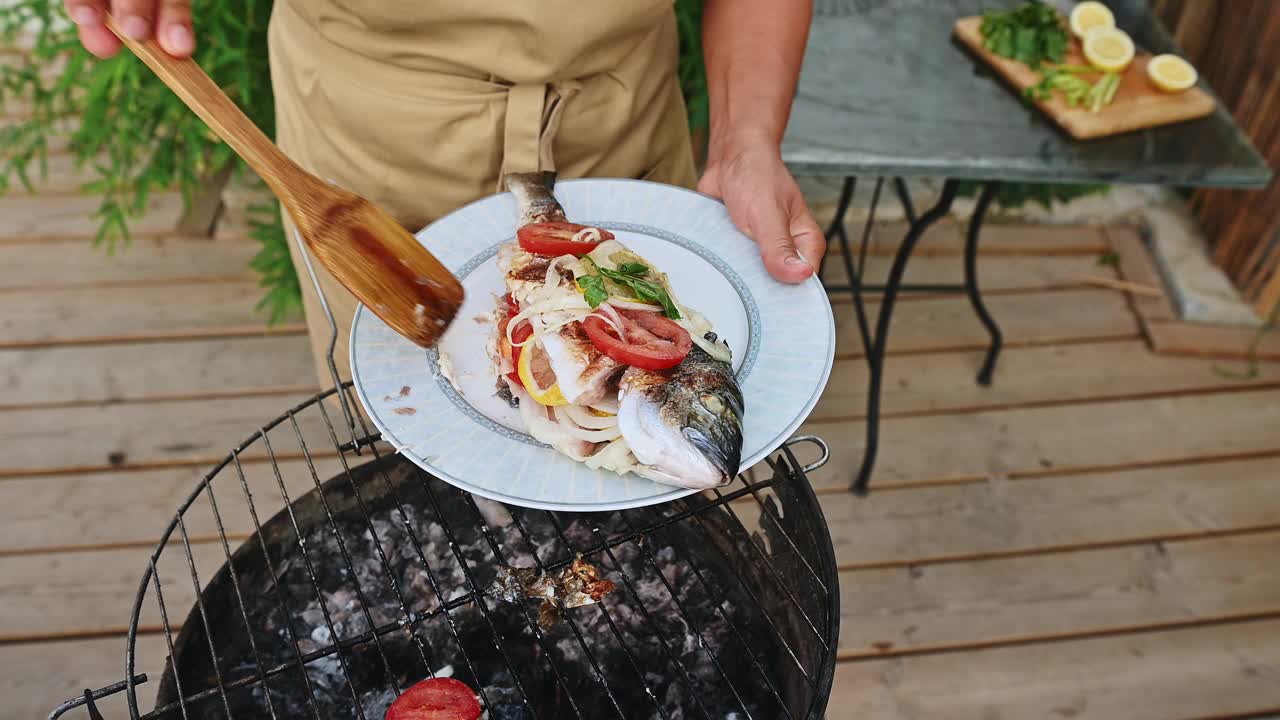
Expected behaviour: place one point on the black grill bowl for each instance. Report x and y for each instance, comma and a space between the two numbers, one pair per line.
725, 606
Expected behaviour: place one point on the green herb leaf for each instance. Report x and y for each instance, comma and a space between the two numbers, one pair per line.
646, 290
593, 289
1031, 33
633, 268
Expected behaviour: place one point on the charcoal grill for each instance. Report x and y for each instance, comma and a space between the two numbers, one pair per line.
282, 595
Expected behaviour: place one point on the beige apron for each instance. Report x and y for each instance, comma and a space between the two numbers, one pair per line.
422, 107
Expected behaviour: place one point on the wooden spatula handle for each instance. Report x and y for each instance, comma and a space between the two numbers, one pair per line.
194, 86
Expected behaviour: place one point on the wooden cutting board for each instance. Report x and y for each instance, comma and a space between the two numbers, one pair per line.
1137, 105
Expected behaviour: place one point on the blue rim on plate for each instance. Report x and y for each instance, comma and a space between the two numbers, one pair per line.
783, 338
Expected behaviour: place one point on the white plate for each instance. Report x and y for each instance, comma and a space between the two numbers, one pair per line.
782, 337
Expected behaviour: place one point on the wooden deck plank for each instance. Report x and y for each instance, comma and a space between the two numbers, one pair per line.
1001, 518
1079, 373
133, 371
63, 595
1232, 343
62, 176
1004, 274
943, 323
113, 314
39, 266
39, 676
1021, 599
946, 237
41, 514
1137, 265
26, 217
1201, 672
1033, 441
183, 432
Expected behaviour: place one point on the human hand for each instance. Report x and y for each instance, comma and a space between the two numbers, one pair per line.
765, 202
168, 20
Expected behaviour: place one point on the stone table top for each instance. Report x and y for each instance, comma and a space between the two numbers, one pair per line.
885, 90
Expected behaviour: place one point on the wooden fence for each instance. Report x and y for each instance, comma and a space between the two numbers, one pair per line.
1236, 46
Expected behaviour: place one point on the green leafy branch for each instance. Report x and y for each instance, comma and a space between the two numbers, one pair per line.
125, 124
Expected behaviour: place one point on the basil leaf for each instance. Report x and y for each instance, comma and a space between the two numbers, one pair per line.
646, 290
593, 289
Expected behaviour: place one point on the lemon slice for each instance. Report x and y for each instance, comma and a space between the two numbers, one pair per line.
1089, 15
548, 396
1171, 73
1109, 49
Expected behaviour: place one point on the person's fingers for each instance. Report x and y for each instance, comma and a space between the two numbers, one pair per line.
88, 15
135, 18
810, 241
709, 184
173, 27
771, 229
99, 41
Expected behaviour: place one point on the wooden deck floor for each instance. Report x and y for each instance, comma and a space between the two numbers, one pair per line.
1095, 536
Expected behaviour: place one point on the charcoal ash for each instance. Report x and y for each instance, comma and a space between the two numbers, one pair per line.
664, 646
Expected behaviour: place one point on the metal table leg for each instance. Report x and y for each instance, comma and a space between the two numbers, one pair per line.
876, 350
877, 346
971, 282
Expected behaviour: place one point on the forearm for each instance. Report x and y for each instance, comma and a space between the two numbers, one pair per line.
753, 51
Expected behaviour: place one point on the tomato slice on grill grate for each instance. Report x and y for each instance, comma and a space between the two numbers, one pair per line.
436, 699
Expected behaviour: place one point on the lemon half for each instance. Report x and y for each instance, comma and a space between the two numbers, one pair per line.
1089, 15
548, 396
1171, 73
1108, 49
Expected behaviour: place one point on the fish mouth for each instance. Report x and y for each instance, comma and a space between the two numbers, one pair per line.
725, 455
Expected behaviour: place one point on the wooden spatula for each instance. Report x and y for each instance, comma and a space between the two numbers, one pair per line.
362, 246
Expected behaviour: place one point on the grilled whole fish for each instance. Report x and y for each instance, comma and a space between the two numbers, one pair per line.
681, 426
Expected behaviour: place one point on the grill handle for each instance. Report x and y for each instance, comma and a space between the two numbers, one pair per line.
815, 440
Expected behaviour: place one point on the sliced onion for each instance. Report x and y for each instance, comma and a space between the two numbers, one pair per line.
567, 425
633, 305
568, 302
552, 279
608, 319
585, 419
717, 350
608, 404
615, 456
613, 314
588, 234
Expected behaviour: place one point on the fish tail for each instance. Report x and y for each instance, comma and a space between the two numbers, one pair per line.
533, 193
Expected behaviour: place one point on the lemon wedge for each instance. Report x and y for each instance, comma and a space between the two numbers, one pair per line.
1088, 15
1171, 73
1108, 49
524, 370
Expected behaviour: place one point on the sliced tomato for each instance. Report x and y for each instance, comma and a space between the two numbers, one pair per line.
556, 238
652, 341
436, 699
513, 307
519, 335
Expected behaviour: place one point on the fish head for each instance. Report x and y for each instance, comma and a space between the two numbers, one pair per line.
684, 425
